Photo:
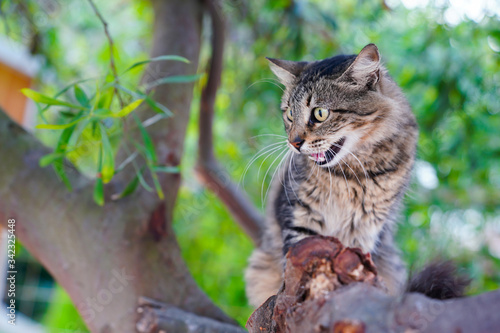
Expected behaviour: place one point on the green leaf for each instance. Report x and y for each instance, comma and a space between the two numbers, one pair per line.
49, 159
105, 98
62, 143
60, 126
59, 169
159, 191
99, 192
166, 169
144, 183
80, 96
108, 159
59, 93
129, 189
39, 98
157, 107
102, 113
67, 114
160, 58
127, 109
174, 79
148, 143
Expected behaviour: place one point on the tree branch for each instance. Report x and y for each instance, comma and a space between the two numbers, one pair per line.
329, 288
210, 172
159, 317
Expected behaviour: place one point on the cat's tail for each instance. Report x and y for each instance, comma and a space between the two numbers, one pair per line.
439, 280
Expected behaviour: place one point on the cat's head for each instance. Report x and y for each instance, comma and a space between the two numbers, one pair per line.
331, 106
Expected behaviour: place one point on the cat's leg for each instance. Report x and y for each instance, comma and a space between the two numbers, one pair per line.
390, 268
264, 276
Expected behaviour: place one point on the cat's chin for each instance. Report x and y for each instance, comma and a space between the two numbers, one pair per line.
324, 158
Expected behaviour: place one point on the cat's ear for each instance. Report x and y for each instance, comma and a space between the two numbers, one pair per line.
286, 70
365, 70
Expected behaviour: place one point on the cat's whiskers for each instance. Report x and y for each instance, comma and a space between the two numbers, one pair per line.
268, 155
269, 134
330, 192
272, 178
266, 80
290, 169
284, 186
355, 175
291, 177
357, 159
346, 183
267, 172
263, 151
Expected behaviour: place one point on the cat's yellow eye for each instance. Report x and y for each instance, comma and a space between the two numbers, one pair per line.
320, 114
289, 114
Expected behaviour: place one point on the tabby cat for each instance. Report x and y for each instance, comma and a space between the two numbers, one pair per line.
354, 137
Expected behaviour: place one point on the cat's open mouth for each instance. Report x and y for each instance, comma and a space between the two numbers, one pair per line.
327, 156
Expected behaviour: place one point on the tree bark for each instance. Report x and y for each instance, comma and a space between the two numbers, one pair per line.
107, 257
329, 288
159, 317
209, 170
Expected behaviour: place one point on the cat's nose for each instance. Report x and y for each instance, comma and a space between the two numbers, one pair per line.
297, 142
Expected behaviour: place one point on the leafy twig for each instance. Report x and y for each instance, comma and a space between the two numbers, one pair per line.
111, 48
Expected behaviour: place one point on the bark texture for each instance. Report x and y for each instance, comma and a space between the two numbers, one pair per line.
329, 288
159, 317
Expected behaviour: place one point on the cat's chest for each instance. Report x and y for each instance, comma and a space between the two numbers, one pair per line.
342, 209
330, 201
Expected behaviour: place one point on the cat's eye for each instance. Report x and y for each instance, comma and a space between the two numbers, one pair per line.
320, 114
289, 114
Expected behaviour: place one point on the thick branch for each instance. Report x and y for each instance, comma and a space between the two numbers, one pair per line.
209, 170
329, 288
107, 257
158, 317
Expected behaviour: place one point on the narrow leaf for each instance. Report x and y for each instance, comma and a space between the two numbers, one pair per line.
59, 169
157, 107
127, 109
49, 159
174, 79
160, 58
108, 160
159, 191
99, 192
62, 143
129, 189
60, 126
166, 169
148, 143
39, 98
104, 99
80, 96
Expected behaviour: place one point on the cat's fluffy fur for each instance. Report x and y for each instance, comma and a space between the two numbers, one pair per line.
356, 196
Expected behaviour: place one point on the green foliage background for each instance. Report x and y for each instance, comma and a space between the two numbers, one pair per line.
449, 72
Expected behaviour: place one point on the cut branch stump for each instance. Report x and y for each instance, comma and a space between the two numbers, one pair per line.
330, 288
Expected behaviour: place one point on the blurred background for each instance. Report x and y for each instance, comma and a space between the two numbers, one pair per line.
444, 54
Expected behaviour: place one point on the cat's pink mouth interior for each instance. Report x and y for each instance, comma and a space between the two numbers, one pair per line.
325, 157
318, 156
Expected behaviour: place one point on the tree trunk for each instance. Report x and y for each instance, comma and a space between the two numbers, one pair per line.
107, 257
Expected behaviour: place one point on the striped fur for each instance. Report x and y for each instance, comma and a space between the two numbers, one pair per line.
356, 196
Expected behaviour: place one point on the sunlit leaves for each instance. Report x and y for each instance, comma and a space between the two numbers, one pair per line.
107, 157
90, 120
40, 98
